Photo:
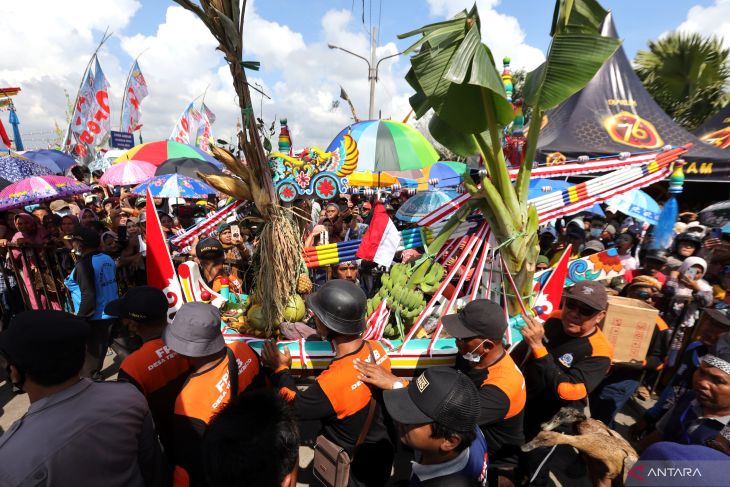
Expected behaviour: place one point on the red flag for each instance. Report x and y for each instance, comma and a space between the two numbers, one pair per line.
4, 135
160, 271
551, 294
381, 239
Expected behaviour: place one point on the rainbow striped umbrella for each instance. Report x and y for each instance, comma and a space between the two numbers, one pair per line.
158, 152
39, 188
386, 145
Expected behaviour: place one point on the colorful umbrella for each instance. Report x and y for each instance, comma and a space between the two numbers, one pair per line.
15, 167
158, 152
128, 173
187, 167
174, 186
421, 204
386, 145
637, 204
39, 188
61, 160
716, 215
541, 187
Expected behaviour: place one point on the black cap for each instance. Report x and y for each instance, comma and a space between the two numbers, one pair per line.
88, 237
210, 248
480, 318
592, 293
141, 303
40, 340
440, 394
658, 255
720, 316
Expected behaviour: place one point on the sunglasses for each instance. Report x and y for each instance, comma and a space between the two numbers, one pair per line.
584, 310
645, 295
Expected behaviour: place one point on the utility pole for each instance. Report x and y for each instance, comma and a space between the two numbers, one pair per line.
372, 75
373, 66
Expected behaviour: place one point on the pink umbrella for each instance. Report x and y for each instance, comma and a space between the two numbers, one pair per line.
35, 189
128, 173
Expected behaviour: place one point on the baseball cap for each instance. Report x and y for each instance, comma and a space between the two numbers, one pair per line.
658, 255
209, 248
610, 229
89, 238
39, 340
195, 331
592, 293
440, 394
141, 303
58, 205
480, 318
595, 245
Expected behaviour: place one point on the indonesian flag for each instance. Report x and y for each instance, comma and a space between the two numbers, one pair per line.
551, 293
381, 239
160, 271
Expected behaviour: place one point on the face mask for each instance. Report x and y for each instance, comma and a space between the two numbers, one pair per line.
596, 232
472, 357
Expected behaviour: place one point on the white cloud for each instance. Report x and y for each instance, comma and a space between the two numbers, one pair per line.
713, 19
48, 45
501, 33
180, 62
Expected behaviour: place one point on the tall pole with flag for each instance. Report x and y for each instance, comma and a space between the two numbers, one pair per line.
135, 90
81, 102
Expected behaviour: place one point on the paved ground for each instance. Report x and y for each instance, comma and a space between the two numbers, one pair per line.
14, 406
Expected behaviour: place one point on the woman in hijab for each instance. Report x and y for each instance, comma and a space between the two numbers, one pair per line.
686, 292
31, 262
87, 217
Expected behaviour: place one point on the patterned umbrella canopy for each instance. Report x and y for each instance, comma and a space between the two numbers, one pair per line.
16, 167
39, 188
386, 145
716, 215
60, 160
158, 152
174, 186
637, 204
187, 167
423, 203
128, 173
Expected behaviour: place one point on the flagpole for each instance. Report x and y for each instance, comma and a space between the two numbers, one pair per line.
105, 37
126, 85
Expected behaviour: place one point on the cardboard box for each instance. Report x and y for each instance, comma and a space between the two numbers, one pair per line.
629, 326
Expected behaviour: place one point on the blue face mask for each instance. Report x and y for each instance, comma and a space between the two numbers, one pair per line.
596, 232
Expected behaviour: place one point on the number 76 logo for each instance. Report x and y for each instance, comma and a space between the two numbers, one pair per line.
632, 130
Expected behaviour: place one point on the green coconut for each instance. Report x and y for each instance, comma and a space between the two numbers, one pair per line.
255, 317
295, 309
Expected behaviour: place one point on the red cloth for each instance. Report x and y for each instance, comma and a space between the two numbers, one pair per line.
4, 135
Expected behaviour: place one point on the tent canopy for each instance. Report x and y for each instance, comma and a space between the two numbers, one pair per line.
614, 113
716, 129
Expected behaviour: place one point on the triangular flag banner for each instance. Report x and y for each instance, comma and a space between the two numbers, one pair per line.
160, 270
552, 292
381, 239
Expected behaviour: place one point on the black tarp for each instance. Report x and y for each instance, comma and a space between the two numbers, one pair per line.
716, 129
614, 113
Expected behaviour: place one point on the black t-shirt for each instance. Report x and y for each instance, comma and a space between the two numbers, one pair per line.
563, 374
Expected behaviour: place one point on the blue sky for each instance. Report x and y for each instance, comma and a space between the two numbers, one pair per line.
289, 38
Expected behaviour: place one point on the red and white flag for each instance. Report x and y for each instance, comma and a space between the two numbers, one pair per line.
160, 270
551, 293
381, 239
377, 322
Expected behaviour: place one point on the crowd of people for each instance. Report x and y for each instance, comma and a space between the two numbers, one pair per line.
187, 409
